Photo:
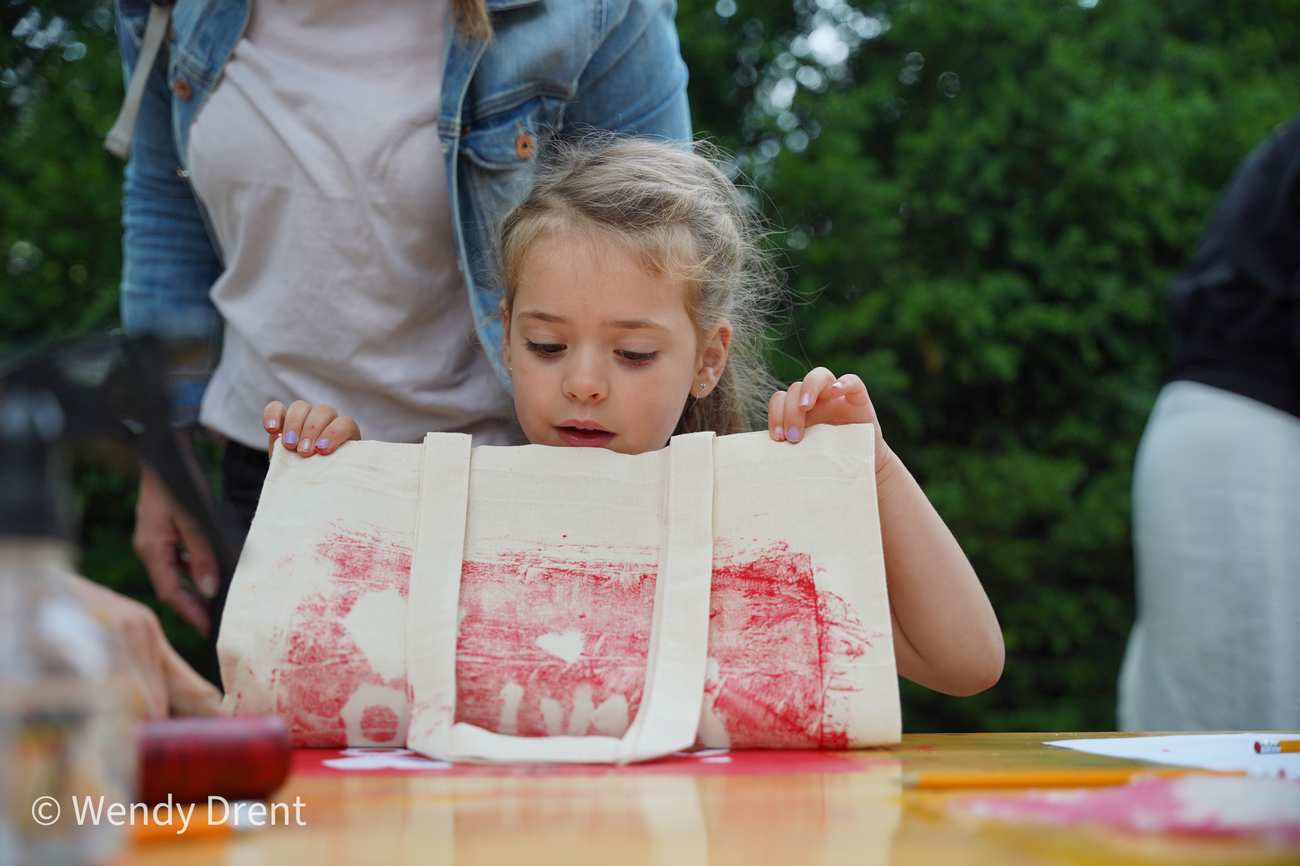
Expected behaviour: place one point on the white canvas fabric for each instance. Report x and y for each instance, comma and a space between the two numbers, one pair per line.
538, 604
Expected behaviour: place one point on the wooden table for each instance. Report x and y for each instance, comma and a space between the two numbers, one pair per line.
863, 818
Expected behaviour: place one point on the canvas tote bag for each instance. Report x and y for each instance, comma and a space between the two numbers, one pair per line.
545, 604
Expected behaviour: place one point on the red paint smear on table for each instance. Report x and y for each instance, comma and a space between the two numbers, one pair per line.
323, 667
1144, 805
311, 762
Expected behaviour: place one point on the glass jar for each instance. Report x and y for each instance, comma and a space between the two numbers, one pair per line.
67, 748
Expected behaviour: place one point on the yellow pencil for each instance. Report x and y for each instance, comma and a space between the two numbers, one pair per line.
1274, 747
145, 833
1076, 778
200, 826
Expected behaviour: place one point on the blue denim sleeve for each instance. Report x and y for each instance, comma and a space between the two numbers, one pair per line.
636, 81
169, 263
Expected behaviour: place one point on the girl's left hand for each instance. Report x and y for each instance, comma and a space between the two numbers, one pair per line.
822, 398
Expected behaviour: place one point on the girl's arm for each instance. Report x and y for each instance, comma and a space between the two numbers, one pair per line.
946, 636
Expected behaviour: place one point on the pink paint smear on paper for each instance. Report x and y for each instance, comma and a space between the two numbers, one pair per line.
1191, 805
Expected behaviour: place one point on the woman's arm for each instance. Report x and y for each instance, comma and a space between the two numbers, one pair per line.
635, 83
168, 266
169, 262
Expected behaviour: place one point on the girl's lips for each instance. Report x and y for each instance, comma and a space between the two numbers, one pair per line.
585, 438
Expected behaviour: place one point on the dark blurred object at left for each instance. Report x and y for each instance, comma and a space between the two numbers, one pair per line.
64, 724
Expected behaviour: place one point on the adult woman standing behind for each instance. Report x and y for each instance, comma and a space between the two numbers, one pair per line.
1216, 487
324, 179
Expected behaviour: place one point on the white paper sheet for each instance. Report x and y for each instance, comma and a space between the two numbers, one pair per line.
1206, 751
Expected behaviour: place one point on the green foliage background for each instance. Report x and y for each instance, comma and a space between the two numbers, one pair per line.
980, 204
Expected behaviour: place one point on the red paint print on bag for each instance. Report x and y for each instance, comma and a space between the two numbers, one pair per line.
323, 667
551, 645
379, 724
782, 648
556, 643
366, 562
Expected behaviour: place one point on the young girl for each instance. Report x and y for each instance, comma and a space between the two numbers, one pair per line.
634, 290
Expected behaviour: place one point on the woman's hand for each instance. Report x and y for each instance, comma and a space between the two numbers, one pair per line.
306, 429
157, 681
822, 398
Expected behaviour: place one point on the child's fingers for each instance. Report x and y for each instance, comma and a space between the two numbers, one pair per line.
273, 417
791, 414
342, 429
293, 420
802, 398
814, 386
318, 417
272, 422
850, 392
851, 387
775, 413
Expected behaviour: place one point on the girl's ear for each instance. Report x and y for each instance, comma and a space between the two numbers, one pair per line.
712, 358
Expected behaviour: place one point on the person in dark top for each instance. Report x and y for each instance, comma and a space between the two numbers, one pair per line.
1216, 486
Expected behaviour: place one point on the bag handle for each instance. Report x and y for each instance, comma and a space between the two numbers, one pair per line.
669, 715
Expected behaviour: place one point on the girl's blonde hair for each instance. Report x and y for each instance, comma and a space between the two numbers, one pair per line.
672, 207
472, 18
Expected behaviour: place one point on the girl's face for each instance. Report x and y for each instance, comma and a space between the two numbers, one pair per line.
602, 353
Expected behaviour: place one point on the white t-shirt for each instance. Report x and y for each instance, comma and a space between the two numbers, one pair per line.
318, 160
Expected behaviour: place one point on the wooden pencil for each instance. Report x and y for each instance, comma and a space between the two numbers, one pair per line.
1066, 778
1274, 747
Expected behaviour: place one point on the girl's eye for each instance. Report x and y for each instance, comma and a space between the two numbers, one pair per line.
545, 350
638, 358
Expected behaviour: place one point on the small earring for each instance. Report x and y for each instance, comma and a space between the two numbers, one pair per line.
702, 387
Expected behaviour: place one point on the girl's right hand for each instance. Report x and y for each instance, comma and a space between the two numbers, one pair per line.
306, 429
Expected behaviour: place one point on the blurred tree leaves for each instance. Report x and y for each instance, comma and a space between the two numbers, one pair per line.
60, 82
984, 202
60, 235
981, 202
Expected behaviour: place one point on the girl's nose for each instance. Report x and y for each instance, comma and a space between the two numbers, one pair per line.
585, 383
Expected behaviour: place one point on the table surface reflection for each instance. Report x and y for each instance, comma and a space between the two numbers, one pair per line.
862, 817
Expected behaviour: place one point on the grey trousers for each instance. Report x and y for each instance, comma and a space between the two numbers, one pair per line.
1216, 536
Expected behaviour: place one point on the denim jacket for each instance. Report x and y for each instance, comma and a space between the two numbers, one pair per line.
552, 66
